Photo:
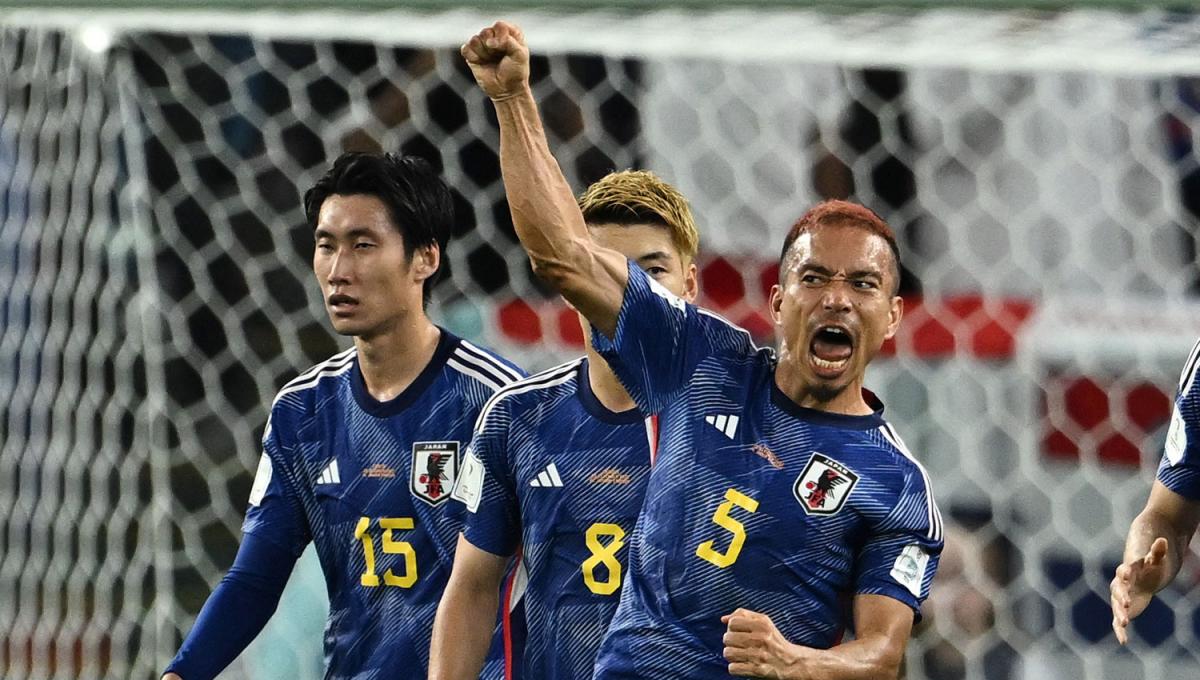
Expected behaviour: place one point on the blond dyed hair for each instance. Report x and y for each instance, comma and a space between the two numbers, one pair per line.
641, 197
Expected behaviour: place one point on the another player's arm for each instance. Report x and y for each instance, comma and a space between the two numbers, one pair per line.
754, 647
1154, 552
465, 621
545, 214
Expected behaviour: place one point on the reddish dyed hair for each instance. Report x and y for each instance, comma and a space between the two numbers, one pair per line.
835, 213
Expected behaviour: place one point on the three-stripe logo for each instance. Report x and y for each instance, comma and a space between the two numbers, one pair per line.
727, 424
330, 474
547, 478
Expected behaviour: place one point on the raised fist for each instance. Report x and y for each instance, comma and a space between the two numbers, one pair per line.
499, 59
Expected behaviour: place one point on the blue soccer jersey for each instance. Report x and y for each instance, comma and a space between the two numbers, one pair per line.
753, 501
1180, 467
369, 483
551, 470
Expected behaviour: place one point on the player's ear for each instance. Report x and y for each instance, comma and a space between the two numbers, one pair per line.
895, 313
691, 283
425, 261
777, 305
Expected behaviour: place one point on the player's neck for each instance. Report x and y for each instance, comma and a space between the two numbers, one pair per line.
848, 402
605, 386
392, 360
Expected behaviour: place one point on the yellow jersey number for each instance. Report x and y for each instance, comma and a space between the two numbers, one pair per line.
603, 554
722, 518
408, 575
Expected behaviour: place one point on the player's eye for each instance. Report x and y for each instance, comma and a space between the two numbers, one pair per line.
325, 246
814, 280
864, 284
362, 245
656, 271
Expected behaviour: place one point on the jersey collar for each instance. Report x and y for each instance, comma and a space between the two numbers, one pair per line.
842, 420
447, 341
591, 403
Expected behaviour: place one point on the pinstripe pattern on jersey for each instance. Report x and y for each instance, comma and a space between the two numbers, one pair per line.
341, 457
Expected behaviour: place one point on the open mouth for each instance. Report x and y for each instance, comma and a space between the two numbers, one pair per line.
342, 303
831, 349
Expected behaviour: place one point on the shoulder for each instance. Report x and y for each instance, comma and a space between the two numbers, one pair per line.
482, 366
526, 393
1187, 377
305, 386
913, 486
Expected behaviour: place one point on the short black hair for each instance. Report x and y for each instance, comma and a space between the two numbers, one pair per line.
419, 201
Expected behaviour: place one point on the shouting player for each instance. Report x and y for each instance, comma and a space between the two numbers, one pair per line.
1160, 535
780, 496
558, 467
360, 452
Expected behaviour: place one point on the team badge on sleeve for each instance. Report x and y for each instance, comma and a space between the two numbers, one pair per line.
909, 569
262, 479
434, 469
824, 486
1176, 438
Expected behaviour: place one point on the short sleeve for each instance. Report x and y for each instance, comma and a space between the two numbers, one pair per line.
1179, 470
901, 555
275, 513
660, 340
486, 487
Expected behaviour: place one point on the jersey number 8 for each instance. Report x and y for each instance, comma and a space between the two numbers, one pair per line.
603, 554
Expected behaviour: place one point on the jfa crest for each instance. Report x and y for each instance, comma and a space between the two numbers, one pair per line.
434, 469
824, 486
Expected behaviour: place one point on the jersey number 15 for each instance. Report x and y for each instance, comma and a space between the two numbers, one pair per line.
408, 576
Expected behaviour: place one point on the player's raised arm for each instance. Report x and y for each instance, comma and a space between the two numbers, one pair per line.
545, 214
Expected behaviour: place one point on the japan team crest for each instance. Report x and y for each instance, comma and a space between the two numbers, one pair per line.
824, 486
434, 469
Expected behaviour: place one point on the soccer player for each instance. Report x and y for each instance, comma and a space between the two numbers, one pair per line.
558, 468
361, 451
1159, 536
779, 495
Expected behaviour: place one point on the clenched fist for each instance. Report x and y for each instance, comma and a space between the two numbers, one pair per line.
499, 59
754, 647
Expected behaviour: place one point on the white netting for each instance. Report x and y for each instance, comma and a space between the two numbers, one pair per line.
1042, 173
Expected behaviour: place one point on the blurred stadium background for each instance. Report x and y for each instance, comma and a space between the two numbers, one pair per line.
1040, 161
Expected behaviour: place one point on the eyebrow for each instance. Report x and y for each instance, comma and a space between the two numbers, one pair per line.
861, 273
352, 233
656, 255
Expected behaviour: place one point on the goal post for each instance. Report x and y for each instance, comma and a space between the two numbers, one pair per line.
1042, 171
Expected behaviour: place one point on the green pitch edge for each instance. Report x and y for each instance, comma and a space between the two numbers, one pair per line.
840, 6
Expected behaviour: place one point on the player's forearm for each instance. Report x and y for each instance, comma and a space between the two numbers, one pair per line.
546, 217
871, 658
1150, 525
237, 610
462, 630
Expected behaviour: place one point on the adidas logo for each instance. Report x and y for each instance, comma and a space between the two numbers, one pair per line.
726, 424
330, 474
547, 478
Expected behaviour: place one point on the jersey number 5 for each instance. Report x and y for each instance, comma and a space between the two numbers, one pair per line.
603, 554
390, 547
721, 518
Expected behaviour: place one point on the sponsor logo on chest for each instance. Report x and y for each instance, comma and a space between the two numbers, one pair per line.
434, 469
824, 485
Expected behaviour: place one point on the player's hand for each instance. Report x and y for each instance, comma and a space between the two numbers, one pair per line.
499, 59
1134, 585
754, 647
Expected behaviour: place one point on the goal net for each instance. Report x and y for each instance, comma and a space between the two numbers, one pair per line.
1041, 170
